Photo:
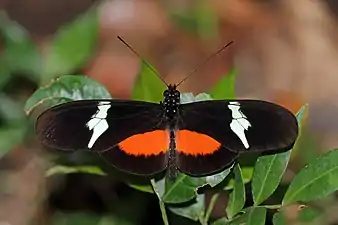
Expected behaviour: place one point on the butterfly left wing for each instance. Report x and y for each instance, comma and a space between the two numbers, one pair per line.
129, 135
219, 130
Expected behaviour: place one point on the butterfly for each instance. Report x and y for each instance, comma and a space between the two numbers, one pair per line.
145, 138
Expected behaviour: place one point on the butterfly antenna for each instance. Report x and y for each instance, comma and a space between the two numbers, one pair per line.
144, 61
205, 62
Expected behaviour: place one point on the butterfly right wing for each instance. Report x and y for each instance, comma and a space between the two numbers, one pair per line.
213, 133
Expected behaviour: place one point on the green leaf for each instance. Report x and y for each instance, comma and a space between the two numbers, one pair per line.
304, 214
193, 211
316, 180
238, 220
72, 46
307, 215
148, 86
246, 174
225, 88
237, 197
307, 147
269, 169
64, 89
20, 54
182, 190
186, 186
214, 180
161, 203
256, 216
190, 97
60, 169
279, 218
144, 188
268, 172
304, 143
221, 221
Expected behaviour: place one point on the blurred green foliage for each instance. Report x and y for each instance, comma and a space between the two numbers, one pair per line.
71, 46
198, 19
18, 56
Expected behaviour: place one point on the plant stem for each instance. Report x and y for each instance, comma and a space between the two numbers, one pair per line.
161, 203
164, 213
210, 208
272, 206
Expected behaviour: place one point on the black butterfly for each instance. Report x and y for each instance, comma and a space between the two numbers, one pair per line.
144, 138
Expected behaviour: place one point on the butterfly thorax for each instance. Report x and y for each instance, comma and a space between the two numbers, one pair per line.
171, 103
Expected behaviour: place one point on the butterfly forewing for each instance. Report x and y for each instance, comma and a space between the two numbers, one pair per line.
96, 125
242, 125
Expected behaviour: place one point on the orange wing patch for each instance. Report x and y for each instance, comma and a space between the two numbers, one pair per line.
146, 144
193, 143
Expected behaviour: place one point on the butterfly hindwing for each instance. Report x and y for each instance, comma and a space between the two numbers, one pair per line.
141, 154
204, 165
136, 164
199, 154
121, 131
